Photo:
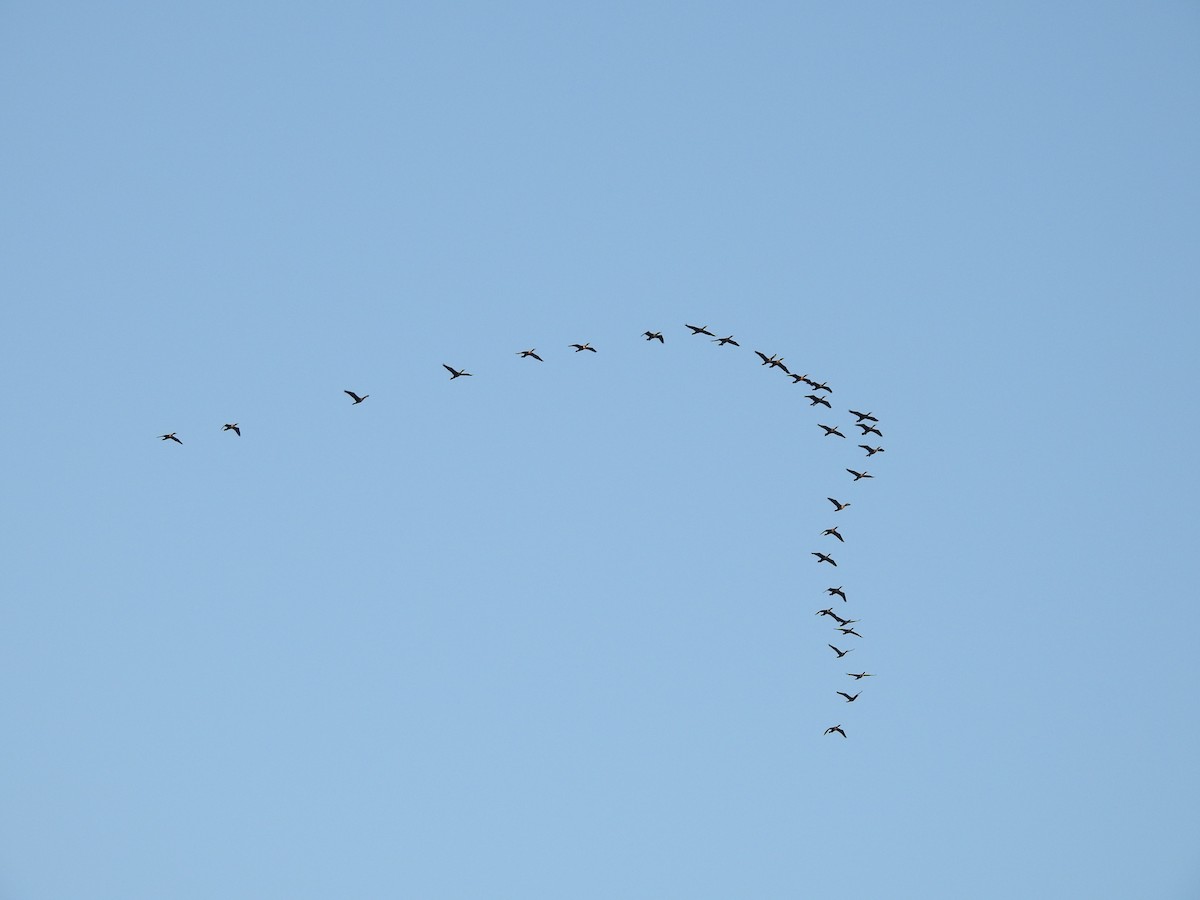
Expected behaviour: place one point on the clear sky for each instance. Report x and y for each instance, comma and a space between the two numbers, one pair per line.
549, 631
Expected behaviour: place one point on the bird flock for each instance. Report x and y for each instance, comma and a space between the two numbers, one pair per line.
820, 396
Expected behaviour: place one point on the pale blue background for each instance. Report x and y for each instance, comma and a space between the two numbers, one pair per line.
548, 632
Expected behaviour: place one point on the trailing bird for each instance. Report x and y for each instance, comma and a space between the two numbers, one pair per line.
850, 631
455, 373
858, 475
836, 592
849, 699
834, 532
170, 437
815, 398
357, 399
871, 451
527, 353
234, 428
830, 429
702, 329
579, 347
837, 728
862, 415
837, 507
824, 557
868, 429
654, 336
721, 342
840, 653
859, 676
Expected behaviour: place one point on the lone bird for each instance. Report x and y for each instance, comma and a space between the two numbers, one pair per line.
859, 676
871, 451
233, 426
455, 373
170, 437
850, 631
836, 592
357, 399
858, 475
721, 342
815, 399
840, 653
849, 699
837, 506
862, 415
833, 532
699, 329
837, 728
654, 336
824, 557
868, 429
830, 429
524, 354
579, 347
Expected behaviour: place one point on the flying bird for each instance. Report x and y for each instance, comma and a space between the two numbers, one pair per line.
357, 399
859, 676
701, 329
862, 415
766, 360
871, 451
654, 336
527, 353
836, 592
778, 364
721, 342
837, 728
834, 532
824, 557
170, 437
837, 507
850, 631
840, 653
830, 429
829, 612
822, 387
815, 399
579, 347
849, 699
868, 429
858, 475
455, 373
233, 426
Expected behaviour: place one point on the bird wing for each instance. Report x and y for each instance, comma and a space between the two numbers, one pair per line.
352, 394
761, 356
538, 358
448, 369
237, 431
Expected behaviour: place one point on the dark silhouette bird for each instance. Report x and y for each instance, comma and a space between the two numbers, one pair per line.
829, 612
822, 387
859, 676
862, 415
815, 399
357, 399
654, 336
834, 532
700, 329
524, 354
579, 347
840, 653
836, 592
455, 373
233, 426
721, 342
850, 631
858, 475
837, 507
868, 429
849, 699
837, 728
170, 437
871, 451
830, 430
778, 364
824, 557
766, 360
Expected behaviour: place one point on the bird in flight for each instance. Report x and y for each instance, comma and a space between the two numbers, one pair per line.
455, 373
829, 612
868, 429
654, 336
859, 676
524, 354
233, 426
824, 557
721, 342
837, 507
766, 360
840, 653
850, 631
579, 347
833, 532
701, 329
849, 699
836, 592
814, 399
170, 437
858, 475
821, 387
862, 415
871, 451
830, 429
837, 728
357, 399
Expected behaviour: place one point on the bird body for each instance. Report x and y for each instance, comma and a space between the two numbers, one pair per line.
824, 557
836, 592
579, 347
233, 426
859, 676
654, 336
699, 329
837, 728
840, 653
170, 437
860, 475
849, 699
721, 342
456, 373
837, 507
524, 354
815, 399
357, 399
833, 532
871, 451
862, 415
844, 630
868, 429
830, 430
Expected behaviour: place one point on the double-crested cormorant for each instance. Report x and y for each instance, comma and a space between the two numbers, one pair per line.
455, 373
849, 699
833, 532
840, 653
837, 506
862, 415
871, 451
815, 399
654, 336
527, 353
859, 676
721, 342
830, 429
233, 426
699, 329
850, 631
836, 592
170, 437
824, 557
858, 475
868, 429
579, 347
837, 728
357, 399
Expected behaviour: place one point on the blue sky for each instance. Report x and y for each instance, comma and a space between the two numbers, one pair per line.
548, 631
